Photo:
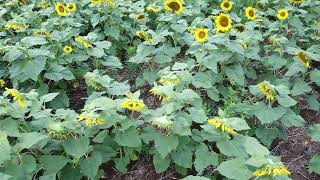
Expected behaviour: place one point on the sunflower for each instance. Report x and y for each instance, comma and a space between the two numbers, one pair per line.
14, 26
83, 41
17, 97
226, 5
218, 124
275, 171
61, 9
251, 13
157, 91
91, 119
201, 35
71, 7
153, 8
266, 89
282, 14
175, 6
41, 33
143, 35
140, 17
67, 49
96, 1
109, 2
132, 105
2, 83
261, 5
223, 22
302, 56
296, 1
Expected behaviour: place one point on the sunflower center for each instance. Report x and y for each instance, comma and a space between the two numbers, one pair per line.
202, 34
174, 5
283, 14
303, 57
251, 13
140, 17
70, 6
226, 4
224, 21
61, 8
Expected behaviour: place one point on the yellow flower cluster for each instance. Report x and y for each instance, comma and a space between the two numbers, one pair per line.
175, 6
266, 90
275, 171
218, 124
62, 9
251, 13
132, 105
14, 26
84, 42
91, 120
157, 92
16, 97
143, 35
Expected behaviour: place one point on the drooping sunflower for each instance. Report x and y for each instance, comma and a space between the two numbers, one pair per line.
143, 35
282, 14
96, 1
14, 26
223, 22
61, 9
218, 124
83, 41
296, 1
91, 119
175, 6
41, 33
302, 56
266, 89
251, 13
226, 5
71, 7
140, 17
17, 97
201, 35
275, 171
67, 49
157, 91
2, 83
153, 8
133, 105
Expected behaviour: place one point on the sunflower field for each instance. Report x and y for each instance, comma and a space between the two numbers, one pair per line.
180, 89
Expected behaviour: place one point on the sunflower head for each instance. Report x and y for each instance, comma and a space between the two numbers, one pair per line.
175, 6
143, 35
261, 5
296, 1
223, 22
71, 7
282, 14
226, 5
96, 1
251, 13
67, 49
61, 9
201, 34
302, 56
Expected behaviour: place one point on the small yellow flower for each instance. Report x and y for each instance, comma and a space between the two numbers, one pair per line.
96, 1
67, 49
201, 35
266, 90
14, 26
132, 105
226, 5
84, 42
2, 83
41, 33
282, 14
296, 1
143, 35
61, 9
302, 56
218, 124
71, 7
251, 13
275, 171
16, 97
175, 6
223, 22
90, 119
153, 8
161, 95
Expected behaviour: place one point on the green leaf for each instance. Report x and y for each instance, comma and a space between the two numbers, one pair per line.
128, 138
213, 94
5, 148
290, 119
183, 156
315, 76
29, 41
314, 132
103, 44
96, 52
285, 100
5, 176
76, 147
143, 52
181, 126
314, 164
198, 115
48, 97
231, 148
204, 158
235, 169
257, 161
275, 61
71, 173
195, 178
24, 69
10, 127
53, 164
267, 114
48, 177
160, 164
236, 73
165, 144
211, 63
300, 87
90, 166
252, 146
238, 123
27, 140
57, 72
266, 135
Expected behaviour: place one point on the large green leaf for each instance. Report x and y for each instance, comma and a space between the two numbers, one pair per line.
314, 132
53, 163
235, 169
76, 147
5, 147
165, 144
160, 164
130, 138
25, 69
314, 164
204, 158
267, 114
89, 166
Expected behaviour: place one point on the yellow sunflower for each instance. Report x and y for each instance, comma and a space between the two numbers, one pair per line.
153, 8
275, 171
143, 35
201, 35
110, 3
132, 105
71, 7
251, 13
67, 49
2, 83
96, 1
223, 22
226, 5
282, 14
266, 89
61, 9
175, 6
224, 127
296, 1
302, 56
